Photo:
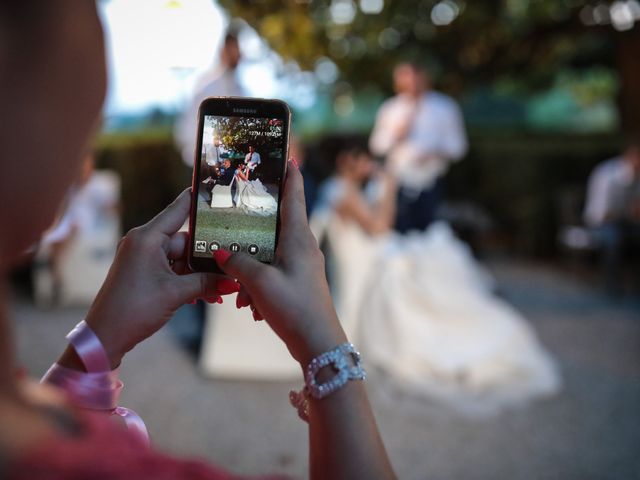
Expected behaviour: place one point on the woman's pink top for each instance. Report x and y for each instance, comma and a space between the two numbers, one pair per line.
99, 449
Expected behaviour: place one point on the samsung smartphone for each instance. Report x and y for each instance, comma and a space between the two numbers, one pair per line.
238, 174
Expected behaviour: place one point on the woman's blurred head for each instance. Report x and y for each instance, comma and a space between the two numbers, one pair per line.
52, 85
355, 163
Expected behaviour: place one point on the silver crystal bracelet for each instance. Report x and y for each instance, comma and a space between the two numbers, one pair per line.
344, 360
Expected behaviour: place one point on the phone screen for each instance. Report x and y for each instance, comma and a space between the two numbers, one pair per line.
238, 181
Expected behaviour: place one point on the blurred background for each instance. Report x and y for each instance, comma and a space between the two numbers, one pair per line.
548, 90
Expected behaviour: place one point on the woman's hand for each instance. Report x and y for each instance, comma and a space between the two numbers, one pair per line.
291, 294
148, 281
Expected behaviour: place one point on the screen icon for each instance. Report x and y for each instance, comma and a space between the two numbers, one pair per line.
201, 246
234, 247
253, 249
213, 246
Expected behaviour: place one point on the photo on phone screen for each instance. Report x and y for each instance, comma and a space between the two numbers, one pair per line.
238, 184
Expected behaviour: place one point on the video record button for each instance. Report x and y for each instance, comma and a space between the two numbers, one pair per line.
234, 247
253, 249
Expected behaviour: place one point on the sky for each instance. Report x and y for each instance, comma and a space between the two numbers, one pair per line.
157, 49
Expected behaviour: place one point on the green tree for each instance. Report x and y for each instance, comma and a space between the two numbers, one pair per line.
237, 133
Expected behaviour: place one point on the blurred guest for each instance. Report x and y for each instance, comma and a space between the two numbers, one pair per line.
419, 132
86, 235
221, 82
613, 208
419, 304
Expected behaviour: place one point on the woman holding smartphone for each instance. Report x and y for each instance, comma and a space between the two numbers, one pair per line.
52, 85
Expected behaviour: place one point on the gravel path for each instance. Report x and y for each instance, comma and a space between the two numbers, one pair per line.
591, 430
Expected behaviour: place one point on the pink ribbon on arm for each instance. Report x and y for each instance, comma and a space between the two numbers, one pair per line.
89, 348
99, 387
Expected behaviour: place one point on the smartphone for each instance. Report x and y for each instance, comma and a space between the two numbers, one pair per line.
238, 174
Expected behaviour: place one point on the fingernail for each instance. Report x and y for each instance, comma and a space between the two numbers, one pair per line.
221, 256
295, 163
193, 302
256, 316
238, 301
219, 300
227, 286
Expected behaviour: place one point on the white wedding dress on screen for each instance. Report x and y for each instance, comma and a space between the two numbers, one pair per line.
253, 198
422, 310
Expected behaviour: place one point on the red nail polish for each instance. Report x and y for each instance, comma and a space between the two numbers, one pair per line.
193, 302
295, 163
221, 256
219, 300
238, 302
227, 286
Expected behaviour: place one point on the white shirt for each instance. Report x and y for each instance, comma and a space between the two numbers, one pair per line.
611, 190
224, 84
435, 137
252, 160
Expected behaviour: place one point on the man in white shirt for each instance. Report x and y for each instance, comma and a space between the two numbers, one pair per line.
612, 208
418, 132
222, 82
252, 159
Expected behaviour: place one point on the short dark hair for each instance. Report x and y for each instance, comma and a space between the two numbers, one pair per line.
233, 32
230, 38
344, 145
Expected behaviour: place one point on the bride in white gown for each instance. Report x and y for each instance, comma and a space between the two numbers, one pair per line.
419, 306
252, 196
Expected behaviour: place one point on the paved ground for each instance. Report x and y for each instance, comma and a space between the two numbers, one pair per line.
591, 430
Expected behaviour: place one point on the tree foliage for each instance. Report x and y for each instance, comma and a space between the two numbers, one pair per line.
237, 133
516, 42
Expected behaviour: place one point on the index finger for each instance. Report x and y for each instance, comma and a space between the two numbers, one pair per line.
294, 207
172, 218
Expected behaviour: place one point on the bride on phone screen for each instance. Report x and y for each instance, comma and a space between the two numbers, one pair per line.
252, 196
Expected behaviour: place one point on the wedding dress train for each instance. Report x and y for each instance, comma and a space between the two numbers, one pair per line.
423, 311
254, 199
